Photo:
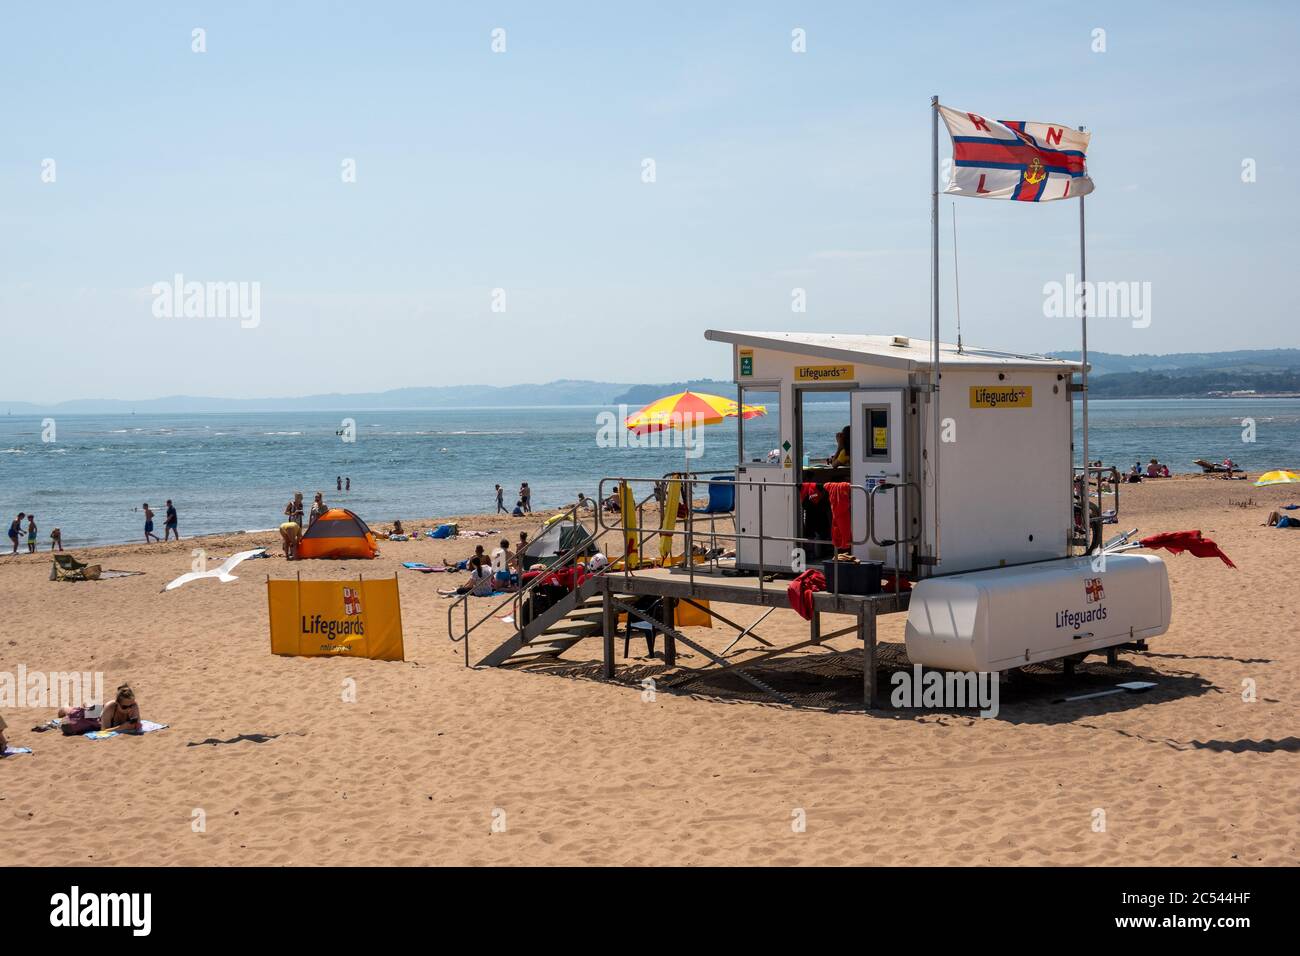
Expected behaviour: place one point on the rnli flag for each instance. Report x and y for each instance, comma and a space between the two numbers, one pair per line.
1015, 159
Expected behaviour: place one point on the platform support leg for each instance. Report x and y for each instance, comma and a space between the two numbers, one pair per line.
816, 636
1112, 656
670, 642
609, 623
867, 631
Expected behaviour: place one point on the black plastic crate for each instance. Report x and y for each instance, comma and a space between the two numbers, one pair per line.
860, 578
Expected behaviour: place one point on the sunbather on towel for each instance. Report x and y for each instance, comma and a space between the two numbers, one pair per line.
481, 580
479, 555
123, 714
3, 743
1276, 520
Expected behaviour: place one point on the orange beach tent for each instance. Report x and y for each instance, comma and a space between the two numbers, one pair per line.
338, 533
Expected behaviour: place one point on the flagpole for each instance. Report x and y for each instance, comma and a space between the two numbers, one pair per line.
934, 282
1085, 499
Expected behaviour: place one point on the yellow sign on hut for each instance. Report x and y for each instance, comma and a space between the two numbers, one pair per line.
336, 619
1001, 396
823, 373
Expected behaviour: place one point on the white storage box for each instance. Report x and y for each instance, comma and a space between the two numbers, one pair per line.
1003, 618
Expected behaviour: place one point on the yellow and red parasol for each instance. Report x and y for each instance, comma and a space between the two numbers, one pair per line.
687, 410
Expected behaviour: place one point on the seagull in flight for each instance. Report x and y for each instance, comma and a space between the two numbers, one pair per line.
221, 573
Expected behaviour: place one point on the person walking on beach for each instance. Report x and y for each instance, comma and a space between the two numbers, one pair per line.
31, 534
170, 522
526, 498
15, 529
501, 504
148, 523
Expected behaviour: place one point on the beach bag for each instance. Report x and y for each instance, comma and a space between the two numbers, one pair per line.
443, 531
77, 723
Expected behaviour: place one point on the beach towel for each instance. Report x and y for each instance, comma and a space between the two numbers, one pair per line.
1284, 522
422, 568
668, 520
16, 751
841, 514
801, 591
1176, 542
146, 727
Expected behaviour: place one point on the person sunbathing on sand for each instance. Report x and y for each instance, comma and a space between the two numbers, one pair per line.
481, 580
479, 555
123, 714
3, 743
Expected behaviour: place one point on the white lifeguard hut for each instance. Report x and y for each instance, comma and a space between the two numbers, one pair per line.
1005, 572
1004, 427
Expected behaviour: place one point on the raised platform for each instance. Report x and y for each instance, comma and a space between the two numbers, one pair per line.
678, 584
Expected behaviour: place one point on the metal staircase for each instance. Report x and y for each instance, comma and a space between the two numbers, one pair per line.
578, 615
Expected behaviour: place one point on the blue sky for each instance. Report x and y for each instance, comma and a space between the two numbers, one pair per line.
522, 171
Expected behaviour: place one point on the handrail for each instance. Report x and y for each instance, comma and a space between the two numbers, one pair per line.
572, 515
885, 485
688, 532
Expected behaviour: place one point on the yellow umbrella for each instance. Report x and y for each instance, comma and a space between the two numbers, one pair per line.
688, 409
1277, 478
684, 411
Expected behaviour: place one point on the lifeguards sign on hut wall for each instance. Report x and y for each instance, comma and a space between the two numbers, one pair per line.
1002, 396
336, 619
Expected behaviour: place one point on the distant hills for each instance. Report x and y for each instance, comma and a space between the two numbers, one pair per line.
1182, 375
1192, 374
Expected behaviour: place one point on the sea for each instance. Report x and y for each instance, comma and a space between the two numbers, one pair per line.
89, 475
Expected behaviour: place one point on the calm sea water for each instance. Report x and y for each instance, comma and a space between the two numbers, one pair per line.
236, 471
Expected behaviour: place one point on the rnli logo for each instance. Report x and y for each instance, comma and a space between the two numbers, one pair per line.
1093, 590
1035, 174
351, 601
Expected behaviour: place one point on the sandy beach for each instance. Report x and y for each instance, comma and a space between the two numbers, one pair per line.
417, 770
